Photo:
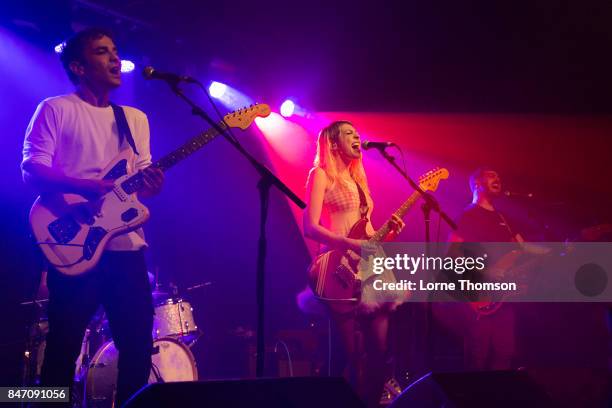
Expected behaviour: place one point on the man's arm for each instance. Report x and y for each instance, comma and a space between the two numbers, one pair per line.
45, 179
153, 178
38, 153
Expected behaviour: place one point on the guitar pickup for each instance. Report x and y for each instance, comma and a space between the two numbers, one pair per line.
64, 229
129, 215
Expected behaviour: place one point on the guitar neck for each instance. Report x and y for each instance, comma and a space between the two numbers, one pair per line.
384, 230
191, 146
135, 183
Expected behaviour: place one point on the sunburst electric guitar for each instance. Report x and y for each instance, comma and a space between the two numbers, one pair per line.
337, 275
73, 231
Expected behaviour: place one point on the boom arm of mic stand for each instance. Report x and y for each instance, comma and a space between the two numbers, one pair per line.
267, 180
261, 169
429, 199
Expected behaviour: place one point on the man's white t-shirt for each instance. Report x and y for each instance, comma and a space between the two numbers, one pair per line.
79, 140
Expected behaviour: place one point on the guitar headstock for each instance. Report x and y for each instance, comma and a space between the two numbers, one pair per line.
430, 180
243, 118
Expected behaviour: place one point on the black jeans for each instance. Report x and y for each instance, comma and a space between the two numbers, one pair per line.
121, 285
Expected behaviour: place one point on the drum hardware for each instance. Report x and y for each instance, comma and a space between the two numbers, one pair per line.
159, 295
156, 373
174, 318
171, 361
175, 331
198, 286
37, 302
35, 342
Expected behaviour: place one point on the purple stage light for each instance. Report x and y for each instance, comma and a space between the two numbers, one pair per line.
217, 89
287, 108
59, 47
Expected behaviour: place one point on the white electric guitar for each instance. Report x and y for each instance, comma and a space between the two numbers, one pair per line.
73, 231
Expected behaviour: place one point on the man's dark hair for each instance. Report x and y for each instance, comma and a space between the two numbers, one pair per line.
477, 175
75, 46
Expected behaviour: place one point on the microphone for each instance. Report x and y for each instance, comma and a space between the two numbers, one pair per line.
376, 145
514, 194
151, 73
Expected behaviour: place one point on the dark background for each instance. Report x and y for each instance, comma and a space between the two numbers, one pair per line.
449, 56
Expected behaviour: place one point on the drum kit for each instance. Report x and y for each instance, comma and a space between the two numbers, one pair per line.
174, 333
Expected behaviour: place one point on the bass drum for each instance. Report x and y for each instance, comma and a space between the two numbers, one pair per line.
171, 361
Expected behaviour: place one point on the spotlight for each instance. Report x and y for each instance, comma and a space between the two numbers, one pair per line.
59, 47
229, 96
127, 66
287, 108
217, 89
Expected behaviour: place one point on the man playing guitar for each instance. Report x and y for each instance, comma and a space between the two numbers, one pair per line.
69, 140
489, 341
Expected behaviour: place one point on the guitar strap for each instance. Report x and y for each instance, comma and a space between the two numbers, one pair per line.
122, 127
505, 222
363, 203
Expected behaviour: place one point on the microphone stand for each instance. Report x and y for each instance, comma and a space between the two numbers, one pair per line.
430, 204
267, 180
430, 201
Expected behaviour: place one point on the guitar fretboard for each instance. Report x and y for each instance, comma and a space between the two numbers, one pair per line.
194, 144
384, 230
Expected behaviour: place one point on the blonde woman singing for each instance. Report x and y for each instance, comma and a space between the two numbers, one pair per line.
335, 185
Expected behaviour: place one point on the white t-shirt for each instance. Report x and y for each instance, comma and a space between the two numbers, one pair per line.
79, 139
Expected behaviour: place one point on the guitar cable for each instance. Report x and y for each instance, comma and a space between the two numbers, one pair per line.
64, 265
282, 343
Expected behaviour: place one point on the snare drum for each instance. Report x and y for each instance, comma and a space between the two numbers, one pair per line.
173, 318
171, 361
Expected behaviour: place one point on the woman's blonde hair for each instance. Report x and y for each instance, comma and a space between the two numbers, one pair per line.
327, 161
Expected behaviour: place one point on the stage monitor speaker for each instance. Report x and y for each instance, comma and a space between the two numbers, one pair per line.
295, 392
473, 390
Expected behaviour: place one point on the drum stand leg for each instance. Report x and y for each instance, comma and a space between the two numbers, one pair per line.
80, 375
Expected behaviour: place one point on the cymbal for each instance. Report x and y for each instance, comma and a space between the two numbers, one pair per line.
31, 302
